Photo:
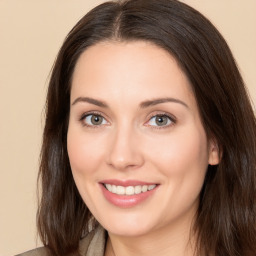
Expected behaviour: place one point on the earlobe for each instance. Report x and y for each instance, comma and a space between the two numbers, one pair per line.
214, 153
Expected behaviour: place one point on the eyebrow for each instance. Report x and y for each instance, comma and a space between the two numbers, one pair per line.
144, 104
91, 101
154, 102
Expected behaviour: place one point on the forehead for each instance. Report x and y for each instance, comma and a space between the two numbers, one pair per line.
128, 70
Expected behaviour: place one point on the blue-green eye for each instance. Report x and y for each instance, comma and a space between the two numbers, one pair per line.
94, 120
160, 120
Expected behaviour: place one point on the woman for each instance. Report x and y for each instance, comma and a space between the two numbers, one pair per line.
149, 143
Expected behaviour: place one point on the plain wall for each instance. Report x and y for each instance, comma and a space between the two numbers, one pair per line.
31, 32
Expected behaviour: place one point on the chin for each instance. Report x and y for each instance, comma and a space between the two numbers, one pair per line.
130, 226
128, 231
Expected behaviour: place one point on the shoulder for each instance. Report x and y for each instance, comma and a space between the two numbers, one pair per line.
36, 252
92, 244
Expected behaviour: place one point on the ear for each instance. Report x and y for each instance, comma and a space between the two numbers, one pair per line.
214, 152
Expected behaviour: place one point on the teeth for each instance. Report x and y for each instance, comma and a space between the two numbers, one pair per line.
130, 190
120, 190
150, 187
113, 188
137, 189
108, 186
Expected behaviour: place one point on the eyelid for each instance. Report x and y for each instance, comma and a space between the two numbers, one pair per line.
85, 114
172, 118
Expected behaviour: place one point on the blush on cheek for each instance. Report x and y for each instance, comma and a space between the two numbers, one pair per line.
82, 158
75, 155
184, 156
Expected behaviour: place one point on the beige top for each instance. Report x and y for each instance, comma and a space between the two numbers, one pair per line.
93, 244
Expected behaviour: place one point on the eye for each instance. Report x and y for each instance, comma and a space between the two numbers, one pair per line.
160, 120
94, 120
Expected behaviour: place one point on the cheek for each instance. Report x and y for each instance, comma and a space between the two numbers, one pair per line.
183, 162
183, 154
83, 155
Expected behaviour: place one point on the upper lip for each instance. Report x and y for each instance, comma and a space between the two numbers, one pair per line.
126, 183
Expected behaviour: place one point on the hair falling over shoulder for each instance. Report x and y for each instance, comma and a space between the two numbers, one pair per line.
226, 218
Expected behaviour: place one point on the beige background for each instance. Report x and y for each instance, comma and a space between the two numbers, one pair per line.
31, 32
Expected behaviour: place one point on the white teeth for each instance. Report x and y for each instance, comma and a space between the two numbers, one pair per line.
144, 188
113, 188
120, 190
150, 187
108, 186
130, 190
137, 189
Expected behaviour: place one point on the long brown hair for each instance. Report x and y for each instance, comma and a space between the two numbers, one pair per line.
226, 219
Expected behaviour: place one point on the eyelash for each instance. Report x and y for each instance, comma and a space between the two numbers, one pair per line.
171, 118
84, 115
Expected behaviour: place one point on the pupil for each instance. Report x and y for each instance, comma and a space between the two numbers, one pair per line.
161, 120
96, 119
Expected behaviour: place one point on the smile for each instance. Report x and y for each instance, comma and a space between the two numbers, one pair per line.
127, 193
129, 190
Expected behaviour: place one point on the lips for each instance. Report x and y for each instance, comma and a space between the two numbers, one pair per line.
128, 193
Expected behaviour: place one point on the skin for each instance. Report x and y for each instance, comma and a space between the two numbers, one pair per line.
130, 145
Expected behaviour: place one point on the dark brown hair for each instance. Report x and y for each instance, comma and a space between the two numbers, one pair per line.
226, 219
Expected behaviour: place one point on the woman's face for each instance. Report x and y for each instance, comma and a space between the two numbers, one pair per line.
136, 144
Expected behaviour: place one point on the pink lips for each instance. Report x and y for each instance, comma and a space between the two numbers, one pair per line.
126, 201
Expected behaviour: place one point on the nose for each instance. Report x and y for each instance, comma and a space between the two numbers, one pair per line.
125, 151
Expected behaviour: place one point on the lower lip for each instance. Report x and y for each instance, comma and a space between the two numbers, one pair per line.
125, 201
